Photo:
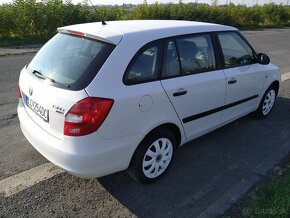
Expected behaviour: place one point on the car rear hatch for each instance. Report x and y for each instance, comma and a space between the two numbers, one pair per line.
45, 104
56, 78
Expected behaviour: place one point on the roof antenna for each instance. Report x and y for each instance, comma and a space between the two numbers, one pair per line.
103, 22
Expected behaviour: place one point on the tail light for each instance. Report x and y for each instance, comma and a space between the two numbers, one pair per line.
19, 93
86, 116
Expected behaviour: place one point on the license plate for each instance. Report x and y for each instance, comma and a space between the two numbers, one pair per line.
37, 108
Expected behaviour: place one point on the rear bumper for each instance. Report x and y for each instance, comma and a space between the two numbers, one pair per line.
87, 156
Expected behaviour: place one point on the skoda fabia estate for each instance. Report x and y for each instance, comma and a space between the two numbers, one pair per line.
101, 98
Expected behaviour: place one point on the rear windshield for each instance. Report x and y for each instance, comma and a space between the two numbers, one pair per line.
71, 62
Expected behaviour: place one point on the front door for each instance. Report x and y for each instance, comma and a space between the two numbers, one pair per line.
245, 77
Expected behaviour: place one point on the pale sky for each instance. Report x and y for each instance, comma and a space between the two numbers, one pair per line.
120, 2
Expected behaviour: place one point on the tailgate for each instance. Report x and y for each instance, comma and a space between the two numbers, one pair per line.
46, 104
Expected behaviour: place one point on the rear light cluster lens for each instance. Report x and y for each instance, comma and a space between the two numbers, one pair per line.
19, 93
86, 116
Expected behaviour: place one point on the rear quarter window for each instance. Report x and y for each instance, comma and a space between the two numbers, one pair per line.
144, 65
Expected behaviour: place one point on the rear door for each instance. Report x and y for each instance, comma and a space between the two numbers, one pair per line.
245, 77
193, 84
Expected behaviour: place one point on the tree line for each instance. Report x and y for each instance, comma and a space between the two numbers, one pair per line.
39, 19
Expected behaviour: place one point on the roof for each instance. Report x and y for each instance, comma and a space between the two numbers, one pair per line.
114, 31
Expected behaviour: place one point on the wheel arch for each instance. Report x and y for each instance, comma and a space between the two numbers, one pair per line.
168, 126
171, 127
276, 84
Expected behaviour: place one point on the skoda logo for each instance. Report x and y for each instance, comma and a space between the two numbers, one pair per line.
30, 91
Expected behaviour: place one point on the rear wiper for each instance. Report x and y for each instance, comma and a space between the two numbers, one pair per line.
41, 76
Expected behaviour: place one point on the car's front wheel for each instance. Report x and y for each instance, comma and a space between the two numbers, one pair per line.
153, 156
267, 102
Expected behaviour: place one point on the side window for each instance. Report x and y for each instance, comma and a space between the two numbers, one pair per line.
170, 66
235, 50
143, 67
196, 54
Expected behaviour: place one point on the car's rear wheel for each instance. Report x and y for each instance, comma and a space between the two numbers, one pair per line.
153, 156
267, 102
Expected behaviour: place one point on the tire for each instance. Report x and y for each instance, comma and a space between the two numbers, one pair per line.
153, 156
267, 102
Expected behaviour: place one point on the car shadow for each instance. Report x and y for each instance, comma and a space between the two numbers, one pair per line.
204, 169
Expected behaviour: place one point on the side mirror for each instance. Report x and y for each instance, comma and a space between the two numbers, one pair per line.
263, 59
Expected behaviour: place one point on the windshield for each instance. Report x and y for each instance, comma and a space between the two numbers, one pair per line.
70, 60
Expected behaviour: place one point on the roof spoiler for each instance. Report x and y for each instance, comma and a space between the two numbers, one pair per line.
82, 35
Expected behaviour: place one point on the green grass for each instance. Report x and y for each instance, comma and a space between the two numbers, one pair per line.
18, 41
273, 199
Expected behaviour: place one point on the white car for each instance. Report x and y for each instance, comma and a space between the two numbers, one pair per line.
98, 99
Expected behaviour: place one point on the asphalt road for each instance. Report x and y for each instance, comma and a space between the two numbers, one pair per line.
207, 176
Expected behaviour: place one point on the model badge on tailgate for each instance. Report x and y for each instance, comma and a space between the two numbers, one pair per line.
58, 109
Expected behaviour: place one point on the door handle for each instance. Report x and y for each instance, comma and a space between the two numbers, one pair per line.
179, 92
232, 81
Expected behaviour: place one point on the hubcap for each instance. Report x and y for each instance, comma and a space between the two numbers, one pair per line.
157, 158
268, 102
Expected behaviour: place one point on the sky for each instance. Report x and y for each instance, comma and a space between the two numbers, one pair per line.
120, 2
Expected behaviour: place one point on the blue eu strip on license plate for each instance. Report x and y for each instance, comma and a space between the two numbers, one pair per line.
37, 108
26, 100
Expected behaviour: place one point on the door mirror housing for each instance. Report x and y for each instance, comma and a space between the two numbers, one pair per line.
263, 59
